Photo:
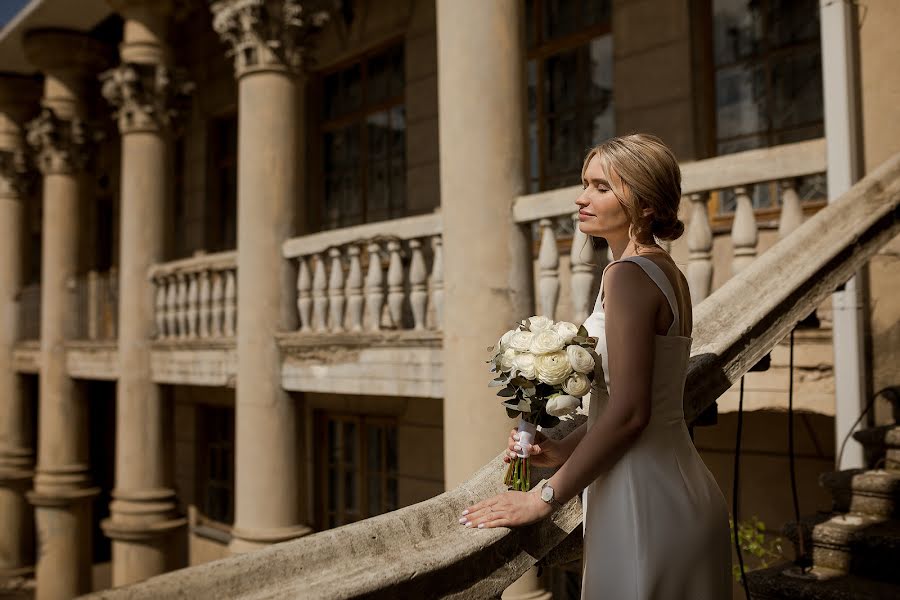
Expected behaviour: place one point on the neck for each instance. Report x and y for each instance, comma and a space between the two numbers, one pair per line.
626, 246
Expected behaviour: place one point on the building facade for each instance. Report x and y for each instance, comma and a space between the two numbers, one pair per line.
254, 250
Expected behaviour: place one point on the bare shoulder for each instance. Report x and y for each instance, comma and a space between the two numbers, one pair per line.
626, 284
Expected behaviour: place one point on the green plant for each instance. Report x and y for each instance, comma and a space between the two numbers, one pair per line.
764, 547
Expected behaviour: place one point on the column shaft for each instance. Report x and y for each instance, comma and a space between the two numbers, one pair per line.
268, 503
481, 95
16, 438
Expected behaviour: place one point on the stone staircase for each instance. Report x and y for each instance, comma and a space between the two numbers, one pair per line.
855, 548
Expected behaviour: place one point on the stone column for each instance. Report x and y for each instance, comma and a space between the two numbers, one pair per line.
481, 98
62, 493
18, 100
266, 38
145, 91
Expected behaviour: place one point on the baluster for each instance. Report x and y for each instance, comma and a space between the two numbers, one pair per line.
354, 290
113, 303
581, 256
437, 281
395, 284
700, 243
217, 311
374, 287
203, 313
418, 296
172, 307
193, 310
93, 304
304, 295
548, 262
743, 232
229, 311
160, 283
320, 299
336, 290
791, 211
182, 306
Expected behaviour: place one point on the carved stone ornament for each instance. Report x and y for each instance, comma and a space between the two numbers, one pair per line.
269, 33
146, 96
14, 174
60, 145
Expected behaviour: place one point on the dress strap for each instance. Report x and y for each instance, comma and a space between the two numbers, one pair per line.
659, 278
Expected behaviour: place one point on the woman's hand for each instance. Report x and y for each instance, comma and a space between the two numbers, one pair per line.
545, 452
509, 509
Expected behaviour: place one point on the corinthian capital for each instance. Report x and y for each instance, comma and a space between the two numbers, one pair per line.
269, 34
13, 173
61, 145
147, 97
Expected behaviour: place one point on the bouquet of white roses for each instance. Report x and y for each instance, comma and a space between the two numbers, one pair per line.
544, 368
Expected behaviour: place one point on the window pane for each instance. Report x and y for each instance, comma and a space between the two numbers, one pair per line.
740, 101
797, 89
561, 17
561, 82
373, 442
792, 22
391, 450
595, 12
374, 491
350, 453
350, 492
737, 30
391, 502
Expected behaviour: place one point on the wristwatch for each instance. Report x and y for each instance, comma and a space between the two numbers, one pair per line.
547, 495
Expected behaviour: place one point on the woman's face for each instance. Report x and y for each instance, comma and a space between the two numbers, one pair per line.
600, 214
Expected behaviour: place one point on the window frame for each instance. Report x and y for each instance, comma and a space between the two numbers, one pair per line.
324, 126
540, 52
361, 474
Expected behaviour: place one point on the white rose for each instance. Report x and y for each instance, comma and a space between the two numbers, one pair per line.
539, 323
566, 330
506, 360
503, 343
580, 359
553, 368
520, 341
577, 385
562, 405
524, 364
545, 342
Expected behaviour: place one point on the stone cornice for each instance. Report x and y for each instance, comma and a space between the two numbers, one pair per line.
60, 145
147, 97
269, 34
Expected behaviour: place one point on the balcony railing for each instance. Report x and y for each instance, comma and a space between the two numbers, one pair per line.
96, 306
196, 298
374, 277
549, 211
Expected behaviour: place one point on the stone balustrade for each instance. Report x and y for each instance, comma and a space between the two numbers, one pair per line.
96, 306
373, 277
196, 298
550, 212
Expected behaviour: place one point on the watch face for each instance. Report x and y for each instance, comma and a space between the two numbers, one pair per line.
547, 493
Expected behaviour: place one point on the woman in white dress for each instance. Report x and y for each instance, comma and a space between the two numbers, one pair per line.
655, 522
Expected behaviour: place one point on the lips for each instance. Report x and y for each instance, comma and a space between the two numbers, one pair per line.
584, 215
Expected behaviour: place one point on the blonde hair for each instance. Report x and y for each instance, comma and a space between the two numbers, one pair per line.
650, 179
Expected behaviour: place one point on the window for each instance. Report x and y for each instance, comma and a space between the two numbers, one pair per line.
221, 217
215, 464
363, 137
569, 78
768, 79
356, 468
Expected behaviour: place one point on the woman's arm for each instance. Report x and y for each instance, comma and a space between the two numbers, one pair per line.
631, 303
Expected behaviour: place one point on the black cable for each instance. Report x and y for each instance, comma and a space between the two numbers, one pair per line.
801, 550
735, 490
857, 422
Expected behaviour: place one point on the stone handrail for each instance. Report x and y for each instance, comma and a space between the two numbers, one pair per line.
196, 298
422, 552
403, 283
736, 172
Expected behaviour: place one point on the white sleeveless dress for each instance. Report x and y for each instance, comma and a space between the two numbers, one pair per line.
656, 525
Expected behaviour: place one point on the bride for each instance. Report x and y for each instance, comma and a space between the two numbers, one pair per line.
655, 522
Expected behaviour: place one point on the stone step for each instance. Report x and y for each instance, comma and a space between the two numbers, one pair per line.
874, 443
856, 544
892, 443
786, 582
868, 492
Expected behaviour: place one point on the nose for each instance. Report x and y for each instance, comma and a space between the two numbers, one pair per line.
582, 200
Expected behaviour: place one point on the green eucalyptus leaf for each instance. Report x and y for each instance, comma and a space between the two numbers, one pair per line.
582, 332
511, 413
507, 392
